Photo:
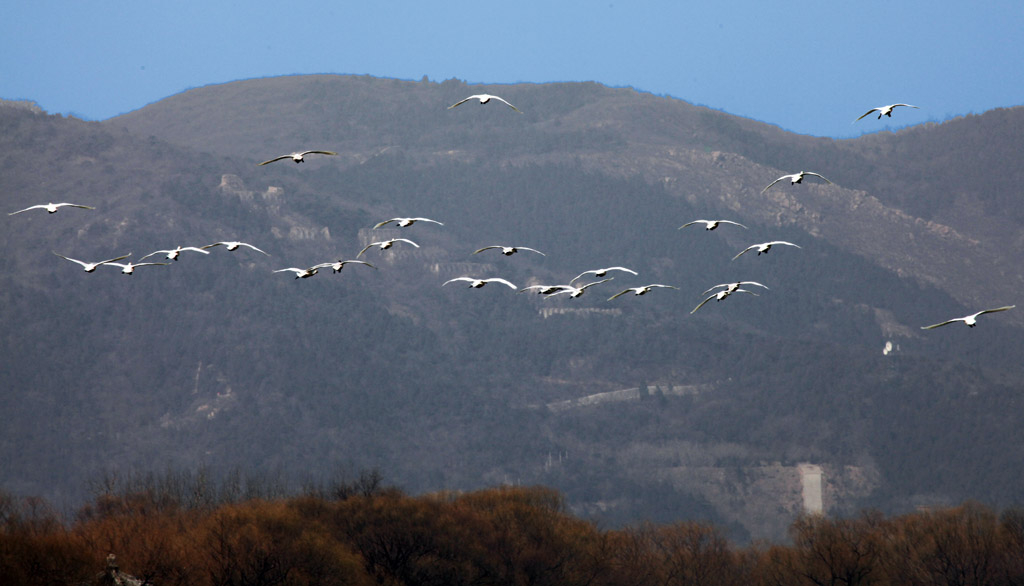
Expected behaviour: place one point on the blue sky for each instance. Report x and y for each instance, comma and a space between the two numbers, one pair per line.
807, 66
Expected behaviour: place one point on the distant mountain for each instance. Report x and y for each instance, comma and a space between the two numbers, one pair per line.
635, 407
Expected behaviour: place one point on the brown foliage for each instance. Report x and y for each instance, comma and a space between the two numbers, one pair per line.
501, 536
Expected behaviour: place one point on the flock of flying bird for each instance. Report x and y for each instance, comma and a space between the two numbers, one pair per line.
718, 292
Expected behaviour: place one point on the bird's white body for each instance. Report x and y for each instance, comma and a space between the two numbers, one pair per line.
641, 290
711, 224
129, 268
406, 222
340, 264
300, 273
602, 272
732, 287
795, 178
477, 283
297, 157
172, 254
509, 250
763, 247
52, 207
575, 292
720, 296
484, 98
969, 320
91, 266
884, 110
233, 245
545, 289
385, 244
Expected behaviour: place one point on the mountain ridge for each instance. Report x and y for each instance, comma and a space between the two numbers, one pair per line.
218, 361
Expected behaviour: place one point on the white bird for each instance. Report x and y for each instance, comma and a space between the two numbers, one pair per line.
129, 268
720, 296
575, 292
732, 287
298, 157
404, 222
477, 283
173, 253
484, 98
233, 245
641, 290
340, 264
509, 250
301, 273
763, 247
91, 266
546, 289
386, 244
711, 224
969, 320
601, 272
795, 178
52, 207
884, 110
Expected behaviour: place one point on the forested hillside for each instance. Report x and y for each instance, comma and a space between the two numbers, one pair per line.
215, 360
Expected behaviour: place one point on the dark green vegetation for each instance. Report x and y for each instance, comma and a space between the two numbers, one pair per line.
362, 533
217, 361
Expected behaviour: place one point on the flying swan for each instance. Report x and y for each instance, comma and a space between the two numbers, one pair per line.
711, 224
484, 98
91, 266
641, 290
795, 178
52, 207
509, 250
386, 244
763, 247
298, 157
404, 222
884, 110
969, 320
477, 283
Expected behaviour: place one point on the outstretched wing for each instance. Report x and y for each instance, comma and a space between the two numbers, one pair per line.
385, 223
27, 209
731, 222
773, 183
460, 102
948, 321
252, 247
531, 250
427, 220
84, 264
499, 280
869, 112
581, 274
304, 153
485, 248
161, 252
745, 250
694, 310
619, 294
816, 175
274, 159
367, 247
1004, 308
470, 279
502, 100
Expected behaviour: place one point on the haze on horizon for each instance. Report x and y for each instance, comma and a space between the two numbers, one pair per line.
811, 68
